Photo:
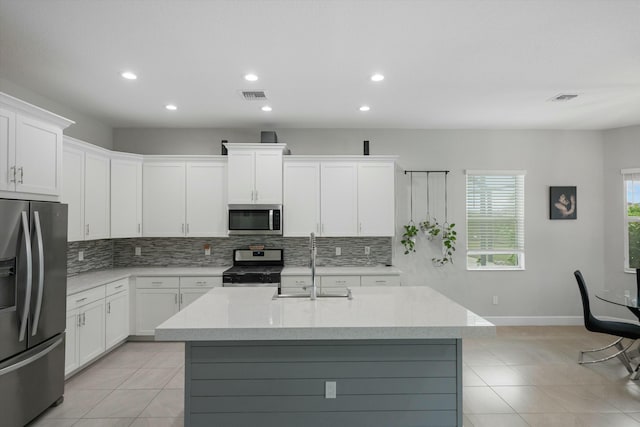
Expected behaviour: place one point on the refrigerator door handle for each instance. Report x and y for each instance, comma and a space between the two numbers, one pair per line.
27, 303
31, 359
36, 316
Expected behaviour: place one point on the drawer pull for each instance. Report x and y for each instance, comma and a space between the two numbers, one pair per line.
80, 300
201, 283
118, 287
381, 281
156, 283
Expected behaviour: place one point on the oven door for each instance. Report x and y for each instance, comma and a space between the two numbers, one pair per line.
255, 219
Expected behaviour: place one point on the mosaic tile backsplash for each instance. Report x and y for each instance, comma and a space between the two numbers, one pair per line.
189, 252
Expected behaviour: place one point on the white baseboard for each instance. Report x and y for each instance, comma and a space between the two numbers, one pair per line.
535, 320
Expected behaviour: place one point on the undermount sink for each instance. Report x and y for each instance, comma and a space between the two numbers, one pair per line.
320, 295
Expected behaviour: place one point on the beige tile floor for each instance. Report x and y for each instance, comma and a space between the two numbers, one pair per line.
525, 376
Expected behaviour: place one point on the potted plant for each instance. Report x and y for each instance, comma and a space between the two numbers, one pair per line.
409, 238
449, 236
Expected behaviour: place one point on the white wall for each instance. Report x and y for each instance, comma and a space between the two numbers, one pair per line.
86, 128
621, 151
554, 249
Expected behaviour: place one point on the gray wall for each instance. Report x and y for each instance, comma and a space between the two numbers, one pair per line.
553, 248
86, 128
621, 151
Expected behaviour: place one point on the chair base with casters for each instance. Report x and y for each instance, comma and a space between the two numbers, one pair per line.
618, 329
620, 354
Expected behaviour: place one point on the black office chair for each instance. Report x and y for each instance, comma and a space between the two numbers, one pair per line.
619, 329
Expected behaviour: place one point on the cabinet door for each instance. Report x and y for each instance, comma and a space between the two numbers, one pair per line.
154, 306
71, 362
339, 199
301, 201
241, 177
91, 331
187, 296
73, 192
96, 196
163, 199
126, 198
376, 200
38, 156
117, 319
7, 150
206, 199
268, 177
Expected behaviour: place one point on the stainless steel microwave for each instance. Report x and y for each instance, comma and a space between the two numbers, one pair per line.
255, 219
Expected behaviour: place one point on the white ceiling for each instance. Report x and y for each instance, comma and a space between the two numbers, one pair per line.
449, 64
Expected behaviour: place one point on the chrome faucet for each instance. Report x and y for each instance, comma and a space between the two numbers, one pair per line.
313, 249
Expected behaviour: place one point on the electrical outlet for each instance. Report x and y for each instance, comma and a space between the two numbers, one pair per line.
338, 251
80, 255
138, 251
495, 300
330, 390
367, 250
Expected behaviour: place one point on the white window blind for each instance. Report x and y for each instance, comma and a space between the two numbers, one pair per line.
631, 179
495, 220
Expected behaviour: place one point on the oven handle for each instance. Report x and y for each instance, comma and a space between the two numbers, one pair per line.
271, 219
250, 285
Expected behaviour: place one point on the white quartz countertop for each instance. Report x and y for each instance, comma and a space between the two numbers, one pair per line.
238, 314
343, 271
84, 281
92, 279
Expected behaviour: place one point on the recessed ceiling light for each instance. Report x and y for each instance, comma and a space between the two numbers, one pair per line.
251, 77
365, 108
266, 108
377, 77
171, 107
129, 75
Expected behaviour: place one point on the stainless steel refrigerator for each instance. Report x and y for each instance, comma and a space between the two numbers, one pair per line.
33, 287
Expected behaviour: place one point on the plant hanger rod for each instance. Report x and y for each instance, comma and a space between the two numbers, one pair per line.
427, 172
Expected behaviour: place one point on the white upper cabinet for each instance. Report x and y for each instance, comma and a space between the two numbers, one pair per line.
376, 199
96, 196
31, 150
206, 202
85, 189
301, 198
255, 174
339, 199
126, 197
73, 191
163, 199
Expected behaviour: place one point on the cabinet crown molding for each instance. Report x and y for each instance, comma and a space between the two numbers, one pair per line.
255, 146
34, 111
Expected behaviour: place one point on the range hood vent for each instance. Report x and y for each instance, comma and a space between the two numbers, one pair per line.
254, 95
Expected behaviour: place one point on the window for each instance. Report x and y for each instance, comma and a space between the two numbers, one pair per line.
631, 178
495, 220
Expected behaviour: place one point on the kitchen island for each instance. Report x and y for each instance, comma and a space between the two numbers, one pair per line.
387, 357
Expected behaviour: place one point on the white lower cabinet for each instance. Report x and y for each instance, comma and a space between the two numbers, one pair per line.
380, 281
154, 306
296, 285
117, 316
85, 328
340, 282
187, 296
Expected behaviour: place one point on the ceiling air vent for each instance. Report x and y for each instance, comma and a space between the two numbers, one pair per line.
253, 95
564, 97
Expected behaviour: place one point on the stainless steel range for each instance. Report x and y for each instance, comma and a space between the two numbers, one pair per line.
254, 268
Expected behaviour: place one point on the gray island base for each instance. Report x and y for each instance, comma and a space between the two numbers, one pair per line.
389, 357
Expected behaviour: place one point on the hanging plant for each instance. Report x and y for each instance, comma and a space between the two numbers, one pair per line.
430, 227
449, 237
409, 238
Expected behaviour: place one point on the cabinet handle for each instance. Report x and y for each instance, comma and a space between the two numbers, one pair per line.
84, 319
80, 300
12, 174
79, 320
187, 228
156, 283
360, 228
139, 228
381, 281
87, 229
21, 169
118, 287
256, 195
108, 308
181, 299
176, 298
252, 195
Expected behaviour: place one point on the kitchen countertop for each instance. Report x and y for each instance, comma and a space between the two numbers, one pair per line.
238, 314
92, 279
